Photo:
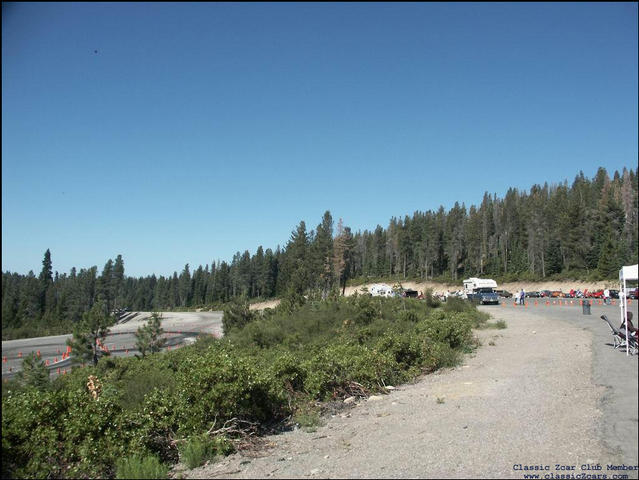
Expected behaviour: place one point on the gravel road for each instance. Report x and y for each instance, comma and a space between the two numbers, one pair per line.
530, 396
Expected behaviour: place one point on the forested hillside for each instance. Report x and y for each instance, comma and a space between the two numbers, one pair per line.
584, 230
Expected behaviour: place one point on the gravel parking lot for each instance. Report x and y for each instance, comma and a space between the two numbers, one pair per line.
547, 392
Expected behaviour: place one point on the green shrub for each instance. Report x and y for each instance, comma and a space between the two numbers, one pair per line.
136, 387
452, 329
196, 451
455, 304
148, 466
431, 300
408, 316
275, 365
307, 417
236, 314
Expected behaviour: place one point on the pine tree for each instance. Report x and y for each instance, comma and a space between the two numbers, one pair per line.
34, 372
90, 334
46, 281
118, 282
185, 287
322, 254
149, 336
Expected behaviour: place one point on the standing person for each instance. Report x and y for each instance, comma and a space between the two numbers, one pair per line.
606, 296
523, 297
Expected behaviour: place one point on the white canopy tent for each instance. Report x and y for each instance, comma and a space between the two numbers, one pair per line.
625, 274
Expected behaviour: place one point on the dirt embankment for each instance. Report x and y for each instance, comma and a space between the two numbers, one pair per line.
512, 287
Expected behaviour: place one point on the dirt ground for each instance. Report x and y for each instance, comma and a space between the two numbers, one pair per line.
512, 287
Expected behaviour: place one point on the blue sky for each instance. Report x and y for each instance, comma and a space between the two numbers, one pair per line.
198, 130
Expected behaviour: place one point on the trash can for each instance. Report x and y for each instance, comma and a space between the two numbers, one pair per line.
586, 307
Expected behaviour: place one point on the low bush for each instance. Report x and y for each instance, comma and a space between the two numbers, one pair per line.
268, 368
196, 451
148, 466
201, 448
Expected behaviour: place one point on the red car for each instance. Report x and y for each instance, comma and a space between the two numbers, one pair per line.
596, 294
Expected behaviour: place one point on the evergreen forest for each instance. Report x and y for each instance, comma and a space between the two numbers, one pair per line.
584, 230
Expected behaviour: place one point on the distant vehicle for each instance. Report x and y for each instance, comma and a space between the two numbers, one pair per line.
556, 294
614, 293
381, 290
545, 293
504, 293
634, 293
410, 293
596, 294
533, 294
481, 290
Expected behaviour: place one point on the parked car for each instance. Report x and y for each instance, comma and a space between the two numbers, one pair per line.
545, 293
634, 293
596, 294
533, 294
614, 293
556, 294
504, 293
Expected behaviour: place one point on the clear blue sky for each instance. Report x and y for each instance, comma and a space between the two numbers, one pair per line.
198, 130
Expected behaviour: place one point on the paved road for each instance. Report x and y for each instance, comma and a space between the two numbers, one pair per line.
611, 369
181, 328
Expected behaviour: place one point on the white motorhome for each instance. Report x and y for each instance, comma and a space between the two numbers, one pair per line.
481, 290
381, 290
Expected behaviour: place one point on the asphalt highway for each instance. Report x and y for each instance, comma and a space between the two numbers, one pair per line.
180, 328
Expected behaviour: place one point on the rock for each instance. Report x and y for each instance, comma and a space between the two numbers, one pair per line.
389, 387
374, 398
349, 400
315, 471
326, 456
